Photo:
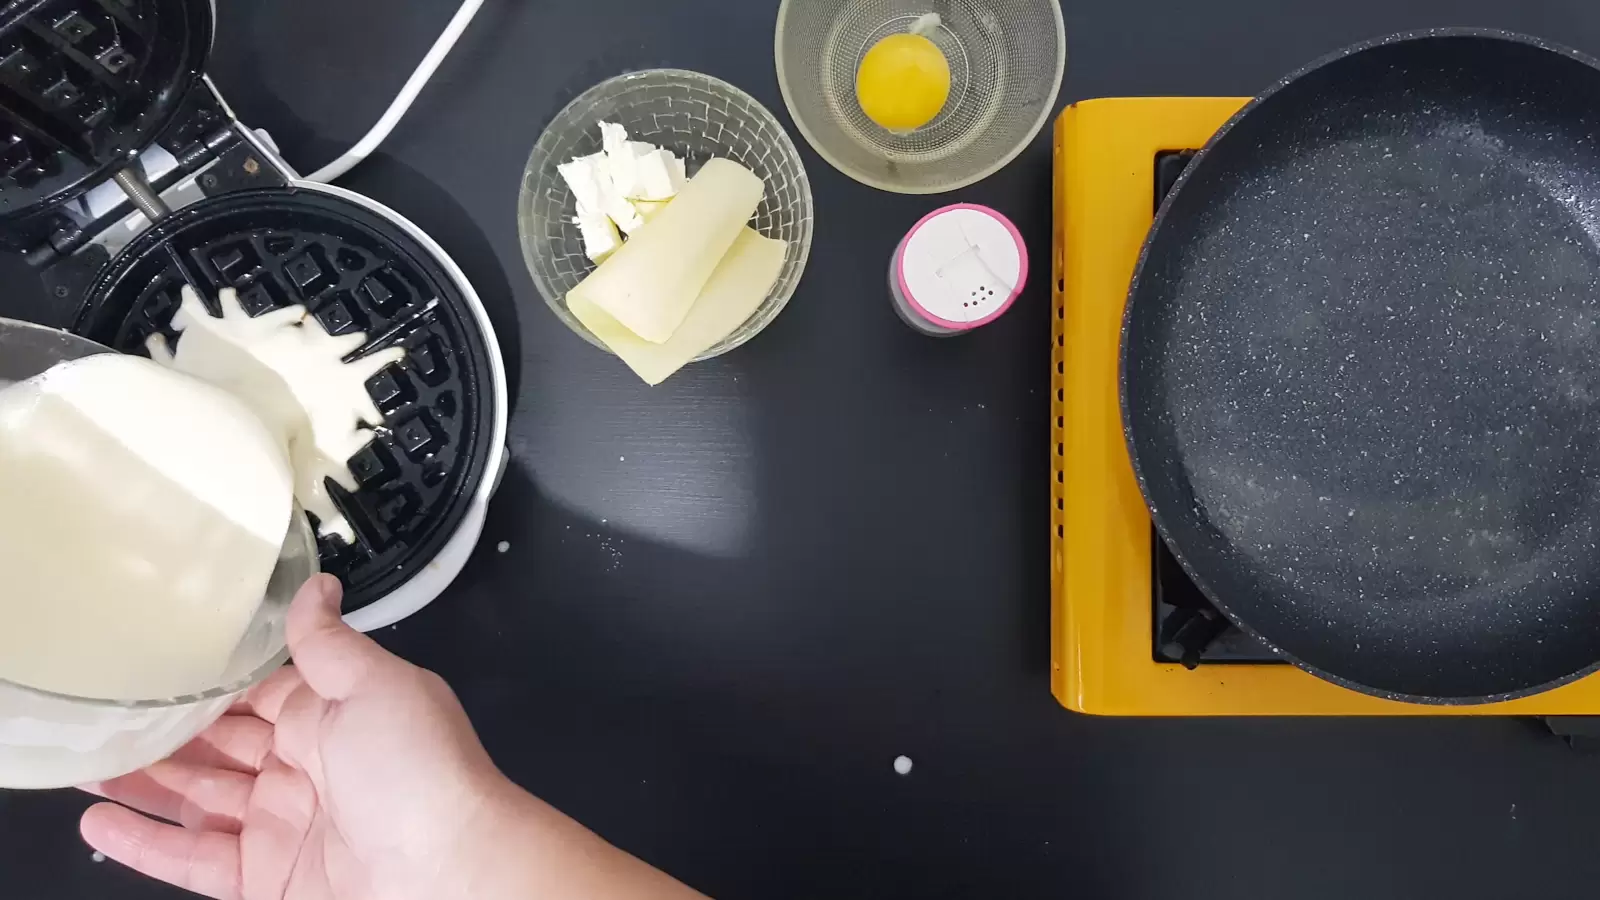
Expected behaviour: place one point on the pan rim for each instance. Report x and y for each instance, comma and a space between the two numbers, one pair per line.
1157, 519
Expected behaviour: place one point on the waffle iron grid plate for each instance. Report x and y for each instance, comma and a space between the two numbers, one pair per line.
354, 271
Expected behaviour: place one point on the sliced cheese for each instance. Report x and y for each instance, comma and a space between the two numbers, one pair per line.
650, 284
733, 293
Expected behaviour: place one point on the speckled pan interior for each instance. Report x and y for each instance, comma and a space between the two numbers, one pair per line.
1361, 362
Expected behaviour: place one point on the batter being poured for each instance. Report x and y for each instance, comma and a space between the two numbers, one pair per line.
292, 373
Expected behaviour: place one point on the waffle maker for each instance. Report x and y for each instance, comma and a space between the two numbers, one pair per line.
124, 176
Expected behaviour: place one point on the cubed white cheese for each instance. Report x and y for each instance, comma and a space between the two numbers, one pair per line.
587, 178
618, 171
620, 161
615, 184
590, 183
600, 238
656, 177
623, 213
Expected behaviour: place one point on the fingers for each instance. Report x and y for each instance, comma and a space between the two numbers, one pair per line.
333, 658
206, 863
265, 701
279, 828
193, 796
296, 740
236, 743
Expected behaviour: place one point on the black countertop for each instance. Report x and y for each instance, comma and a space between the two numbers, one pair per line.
729, 603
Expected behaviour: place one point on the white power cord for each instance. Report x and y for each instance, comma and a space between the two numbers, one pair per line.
402, 102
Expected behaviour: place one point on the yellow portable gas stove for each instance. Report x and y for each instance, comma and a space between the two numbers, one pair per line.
1130, 634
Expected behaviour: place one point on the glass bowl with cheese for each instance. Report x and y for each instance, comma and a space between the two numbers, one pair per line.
694, 118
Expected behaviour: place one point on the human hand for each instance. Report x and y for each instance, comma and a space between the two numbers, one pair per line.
352, 774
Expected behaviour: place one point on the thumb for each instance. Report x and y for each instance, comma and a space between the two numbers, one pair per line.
333, 658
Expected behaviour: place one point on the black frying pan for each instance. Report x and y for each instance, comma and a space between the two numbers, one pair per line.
1361, 367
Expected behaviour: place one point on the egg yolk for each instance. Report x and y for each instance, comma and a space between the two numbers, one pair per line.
903, 82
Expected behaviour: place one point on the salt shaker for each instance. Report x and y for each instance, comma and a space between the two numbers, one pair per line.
960, 267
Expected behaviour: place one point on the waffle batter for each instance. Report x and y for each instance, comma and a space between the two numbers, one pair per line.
292, 374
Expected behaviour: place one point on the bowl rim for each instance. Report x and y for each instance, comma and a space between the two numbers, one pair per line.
1046, 111
76, 345
785, 144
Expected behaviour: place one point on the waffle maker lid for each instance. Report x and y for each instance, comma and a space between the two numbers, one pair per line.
85, 87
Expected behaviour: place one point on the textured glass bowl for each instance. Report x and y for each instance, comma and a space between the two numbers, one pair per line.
1006, 61
695, 116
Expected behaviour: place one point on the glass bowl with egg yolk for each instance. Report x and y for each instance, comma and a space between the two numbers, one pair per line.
54, 740
920, 98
